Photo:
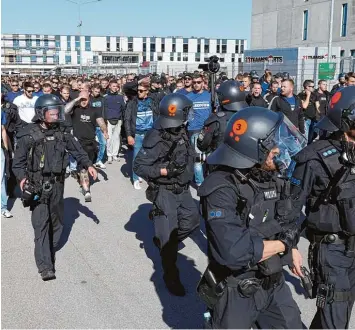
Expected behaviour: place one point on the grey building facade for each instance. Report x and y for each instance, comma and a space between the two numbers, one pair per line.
303, 23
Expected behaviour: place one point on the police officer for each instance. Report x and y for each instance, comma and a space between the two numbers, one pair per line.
243, 203
324, 181
231, 98
166, 162
39, 165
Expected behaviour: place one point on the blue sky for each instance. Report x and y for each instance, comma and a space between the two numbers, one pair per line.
130, 18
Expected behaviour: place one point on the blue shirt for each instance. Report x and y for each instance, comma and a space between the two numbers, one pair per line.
201, 109
3, 118
10, 96
182, 91
144, 121
292, 101
39, 93
264, 86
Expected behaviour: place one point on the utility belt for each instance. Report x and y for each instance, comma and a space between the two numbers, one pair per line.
175, 188
210, 288
326, 238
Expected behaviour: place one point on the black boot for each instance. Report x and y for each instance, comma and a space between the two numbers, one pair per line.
48, 275
171, 273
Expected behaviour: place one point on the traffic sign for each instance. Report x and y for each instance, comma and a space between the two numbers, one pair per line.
326, 71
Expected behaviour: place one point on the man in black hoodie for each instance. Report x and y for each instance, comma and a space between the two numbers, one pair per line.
255, 98
289, 104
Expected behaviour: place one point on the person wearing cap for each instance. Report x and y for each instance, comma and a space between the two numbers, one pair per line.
187, 84
323, 181
84, 119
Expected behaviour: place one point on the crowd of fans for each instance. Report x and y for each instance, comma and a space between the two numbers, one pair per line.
104, 111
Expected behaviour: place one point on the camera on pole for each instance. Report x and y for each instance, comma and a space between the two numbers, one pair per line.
212, 66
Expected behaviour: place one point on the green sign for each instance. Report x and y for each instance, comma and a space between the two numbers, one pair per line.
326, 71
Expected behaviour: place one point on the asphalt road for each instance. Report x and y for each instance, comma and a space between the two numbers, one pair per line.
108, 270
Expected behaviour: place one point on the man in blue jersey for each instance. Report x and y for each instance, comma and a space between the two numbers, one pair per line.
201, 110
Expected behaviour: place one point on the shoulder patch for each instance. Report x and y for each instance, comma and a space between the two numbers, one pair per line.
328, 152
220, 114
295, 182
216, 214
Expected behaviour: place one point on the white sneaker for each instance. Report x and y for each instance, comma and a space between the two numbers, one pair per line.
116, 159
87, 196
137, 185
6, 214
109, 160
100, 165
140, 180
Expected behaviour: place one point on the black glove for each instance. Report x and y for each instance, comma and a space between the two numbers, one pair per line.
289, 236
175, 170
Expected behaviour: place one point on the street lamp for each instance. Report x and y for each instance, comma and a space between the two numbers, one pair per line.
79, 4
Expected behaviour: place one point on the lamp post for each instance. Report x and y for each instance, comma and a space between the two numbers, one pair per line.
79, 4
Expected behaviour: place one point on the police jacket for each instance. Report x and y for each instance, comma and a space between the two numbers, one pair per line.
296, 116
212, 133
13, 120
44, 153
316, 165
161, 148
240, 215
130, 115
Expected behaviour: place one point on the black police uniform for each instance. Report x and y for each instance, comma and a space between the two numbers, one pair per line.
42, 157
330, 257
242, 208
324, 181
174, 212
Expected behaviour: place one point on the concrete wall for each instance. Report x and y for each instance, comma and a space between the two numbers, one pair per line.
279, 24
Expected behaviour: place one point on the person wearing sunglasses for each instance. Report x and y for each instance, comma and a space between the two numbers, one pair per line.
188, 88
15, 91
26, 103
310, 105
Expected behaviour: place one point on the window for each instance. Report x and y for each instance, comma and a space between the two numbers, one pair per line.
78, 58
171, 58
18, 59
144, 47
68, 43
46, 42
179, 57
56, 59
16, 43
185, 48
95, 59
239, 60
344, 19
224, 49
241, 49
174, 48
77, 43
33, 52
352, 52
144, 58
237, 48
199, 48
57, 42
67, 59
108, 45
151, 57
33, 59
87, 44
163, 48
206, 59
305, 25
118, 46
38, 43
160, 58
342, 53
130, 46
152, 48
207, 46
185, 58
197, 57
233, 60
28, 42
221, 59
44, 59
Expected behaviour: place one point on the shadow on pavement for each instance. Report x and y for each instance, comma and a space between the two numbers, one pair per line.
178, 312
295, 282
72, 210
126, 168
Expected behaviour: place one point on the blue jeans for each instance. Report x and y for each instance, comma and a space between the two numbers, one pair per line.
138, 141
198, 165
102, 144
3, 182
309, 129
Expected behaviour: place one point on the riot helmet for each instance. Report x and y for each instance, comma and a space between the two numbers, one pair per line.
341, 111
49, 109
250, 136
173, 111
231, 95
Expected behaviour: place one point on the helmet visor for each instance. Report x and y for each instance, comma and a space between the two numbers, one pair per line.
54, 114
290, 141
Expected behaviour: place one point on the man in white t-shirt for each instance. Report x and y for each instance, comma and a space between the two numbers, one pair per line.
26, 103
